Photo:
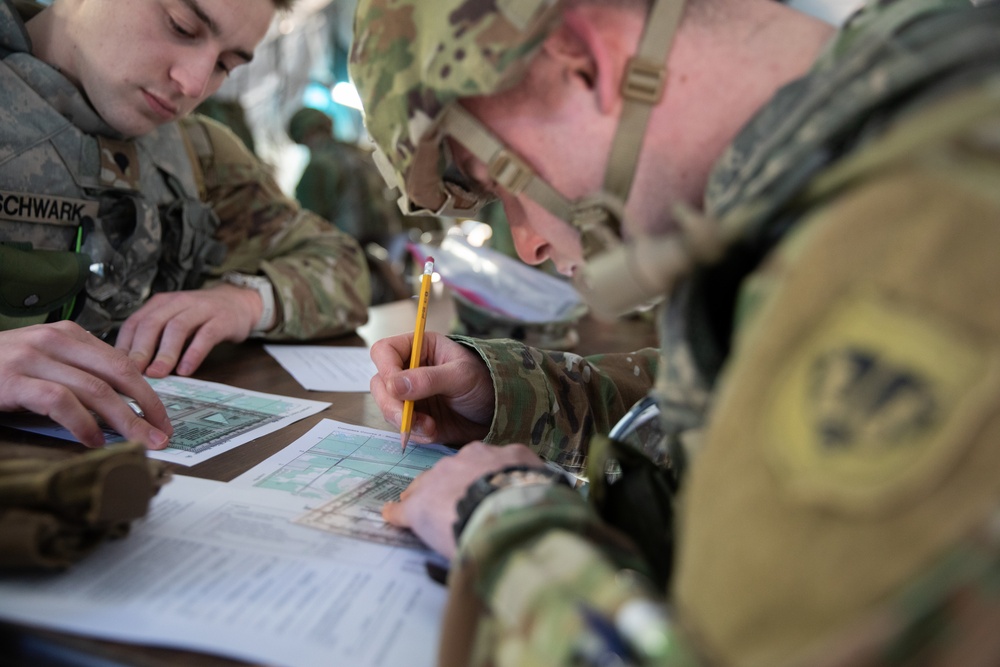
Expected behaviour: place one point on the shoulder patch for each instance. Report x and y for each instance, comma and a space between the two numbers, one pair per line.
875, 403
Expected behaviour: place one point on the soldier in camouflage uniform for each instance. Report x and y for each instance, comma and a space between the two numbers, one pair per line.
117, 211
340, 183
820, 210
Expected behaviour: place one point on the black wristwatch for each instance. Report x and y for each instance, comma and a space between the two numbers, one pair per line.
517, 475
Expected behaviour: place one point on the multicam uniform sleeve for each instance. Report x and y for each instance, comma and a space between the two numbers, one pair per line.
524, 558
540, 580
852, 446
320, 276
554, 401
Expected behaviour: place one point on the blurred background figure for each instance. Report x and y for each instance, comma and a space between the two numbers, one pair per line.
341, 184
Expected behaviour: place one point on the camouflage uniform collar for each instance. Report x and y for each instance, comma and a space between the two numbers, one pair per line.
60, 92
805, 113
13, 34
883, 66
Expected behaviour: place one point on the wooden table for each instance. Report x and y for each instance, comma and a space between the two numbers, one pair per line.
248, 366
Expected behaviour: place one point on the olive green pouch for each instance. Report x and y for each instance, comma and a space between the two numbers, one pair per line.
36, 282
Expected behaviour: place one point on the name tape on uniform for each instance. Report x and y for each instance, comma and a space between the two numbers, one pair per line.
45, 209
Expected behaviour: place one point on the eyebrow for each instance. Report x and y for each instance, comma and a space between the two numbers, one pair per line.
213, 27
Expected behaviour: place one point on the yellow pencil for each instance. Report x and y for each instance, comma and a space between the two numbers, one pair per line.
418, 344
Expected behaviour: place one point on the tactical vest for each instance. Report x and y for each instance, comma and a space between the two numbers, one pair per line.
891, 60
82, 206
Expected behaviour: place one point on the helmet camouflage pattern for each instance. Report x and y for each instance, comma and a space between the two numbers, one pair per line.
411, 60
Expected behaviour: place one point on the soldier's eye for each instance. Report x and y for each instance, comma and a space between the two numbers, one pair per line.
179, 29
461, 187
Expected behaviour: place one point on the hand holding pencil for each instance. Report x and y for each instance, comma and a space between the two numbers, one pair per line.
446, 383
418, 343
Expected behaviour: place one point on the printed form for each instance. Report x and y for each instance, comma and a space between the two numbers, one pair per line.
323, 368
221, 568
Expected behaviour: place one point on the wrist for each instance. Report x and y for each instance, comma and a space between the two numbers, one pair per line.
265, 290
526, 484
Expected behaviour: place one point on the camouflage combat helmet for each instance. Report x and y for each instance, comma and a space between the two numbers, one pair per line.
412, 61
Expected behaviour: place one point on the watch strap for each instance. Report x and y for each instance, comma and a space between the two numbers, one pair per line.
509, 477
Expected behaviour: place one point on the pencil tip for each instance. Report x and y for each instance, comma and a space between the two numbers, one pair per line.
404, 438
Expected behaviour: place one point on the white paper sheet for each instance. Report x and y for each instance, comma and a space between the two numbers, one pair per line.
221, 569
208, 418
323, 368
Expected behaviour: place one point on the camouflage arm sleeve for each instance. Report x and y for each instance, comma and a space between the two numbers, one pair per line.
554, 401
852, 447
540, 580
319, 274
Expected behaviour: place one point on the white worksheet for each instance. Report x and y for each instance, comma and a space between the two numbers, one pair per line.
221, 569
324, 368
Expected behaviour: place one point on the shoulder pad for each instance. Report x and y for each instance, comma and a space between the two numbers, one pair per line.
213, 142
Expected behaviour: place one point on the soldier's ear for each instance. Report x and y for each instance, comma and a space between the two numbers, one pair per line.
589, 54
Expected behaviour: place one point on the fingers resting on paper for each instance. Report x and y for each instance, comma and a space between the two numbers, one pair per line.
61, 371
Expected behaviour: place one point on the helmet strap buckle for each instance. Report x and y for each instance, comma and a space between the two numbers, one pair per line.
644, 80
510, 172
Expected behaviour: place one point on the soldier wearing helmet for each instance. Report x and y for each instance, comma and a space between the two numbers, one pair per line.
119, 211
817, 210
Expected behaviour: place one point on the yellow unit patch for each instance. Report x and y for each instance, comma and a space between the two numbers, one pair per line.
875, 403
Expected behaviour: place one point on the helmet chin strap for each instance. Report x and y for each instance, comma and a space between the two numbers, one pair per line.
589, 215
623, 276
599, 216
642, 89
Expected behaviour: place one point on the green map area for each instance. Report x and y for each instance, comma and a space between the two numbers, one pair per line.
204, 416
344, 459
